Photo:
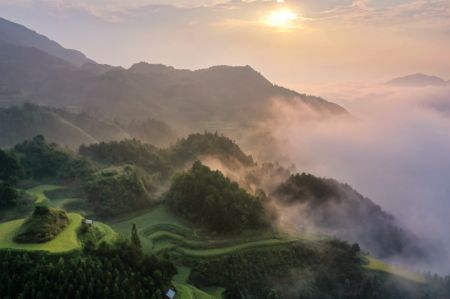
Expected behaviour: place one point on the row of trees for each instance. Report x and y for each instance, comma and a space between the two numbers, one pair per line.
10, 172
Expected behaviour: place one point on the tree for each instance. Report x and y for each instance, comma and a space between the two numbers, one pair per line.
135, 241
9, 166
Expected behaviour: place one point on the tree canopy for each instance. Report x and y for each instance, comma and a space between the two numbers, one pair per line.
210, 199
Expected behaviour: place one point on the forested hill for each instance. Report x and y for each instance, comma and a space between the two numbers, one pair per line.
334, 208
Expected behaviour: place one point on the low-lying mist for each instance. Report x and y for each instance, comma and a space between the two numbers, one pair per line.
394, 149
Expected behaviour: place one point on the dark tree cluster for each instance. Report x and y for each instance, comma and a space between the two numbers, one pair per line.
197, 145
10, 172
41, 159
112, 194
307, 188
208, 198
110, 273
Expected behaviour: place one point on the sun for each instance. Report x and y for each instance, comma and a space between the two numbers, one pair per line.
283, 19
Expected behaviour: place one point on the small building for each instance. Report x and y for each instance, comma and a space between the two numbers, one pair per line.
88, 221
170, 294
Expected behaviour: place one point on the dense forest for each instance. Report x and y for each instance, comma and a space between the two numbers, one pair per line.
210, 199
131, 152
119, 271
116, 192
41, 159
207, 144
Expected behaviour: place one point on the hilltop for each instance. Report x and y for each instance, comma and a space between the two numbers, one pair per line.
418, 80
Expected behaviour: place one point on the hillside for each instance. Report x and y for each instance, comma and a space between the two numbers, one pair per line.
65, 241
333, 208
16, 34
224, 241
59, 126
42, 226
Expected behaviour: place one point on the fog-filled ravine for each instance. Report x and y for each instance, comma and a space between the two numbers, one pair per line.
157, 182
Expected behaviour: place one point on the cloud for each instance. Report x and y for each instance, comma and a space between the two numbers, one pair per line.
395, 152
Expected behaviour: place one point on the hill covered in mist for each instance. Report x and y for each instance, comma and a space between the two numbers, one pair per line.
418, 80
74, 129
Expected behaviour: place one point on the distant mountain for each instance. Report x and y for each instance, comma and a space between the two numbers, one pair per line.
15, 34
418, 80
217, 98
188, 98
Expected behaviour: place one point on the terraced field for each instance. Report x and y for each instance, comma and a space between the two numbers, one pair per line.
161, 231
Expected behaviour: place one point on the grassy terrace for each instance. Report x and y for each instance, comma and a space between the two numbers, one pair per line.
160, 231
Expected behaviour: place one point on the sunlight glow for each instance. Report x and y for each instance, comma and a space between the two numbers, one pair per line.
283, 19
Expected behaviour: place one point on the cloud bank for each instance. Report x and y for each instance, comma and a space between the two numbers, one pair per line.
395, 151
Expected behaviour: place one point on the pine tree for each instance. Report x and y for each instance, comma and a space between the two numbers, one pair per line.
135, 241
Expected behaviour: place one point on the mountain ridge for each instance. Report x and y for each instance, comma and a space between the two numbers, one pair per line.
20, 35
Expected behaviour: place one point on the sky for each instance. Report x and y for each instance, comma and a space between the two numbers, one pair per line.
316, 41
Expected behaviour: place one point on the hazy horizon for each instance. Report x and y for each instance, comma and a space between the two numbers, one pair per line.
292, 43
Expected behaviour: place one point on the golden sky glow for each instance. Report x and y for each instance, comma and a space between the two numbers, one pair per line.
281, 18
291, 41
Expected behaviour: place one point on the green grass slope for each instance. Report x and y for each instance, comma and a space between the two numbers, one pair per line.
65, 241
43, 225
186, 291
377, 265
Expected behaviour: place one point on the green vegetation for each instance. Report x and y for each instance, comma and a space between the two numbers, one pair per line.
186, 291
159, 221
65, 241
256, 273
308, 188
113, 193
42, 226
377, 265
210, 199
114, 272
128, 152
94, 235
10, 171
38, 192
336, 207
219, 237
47, 160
